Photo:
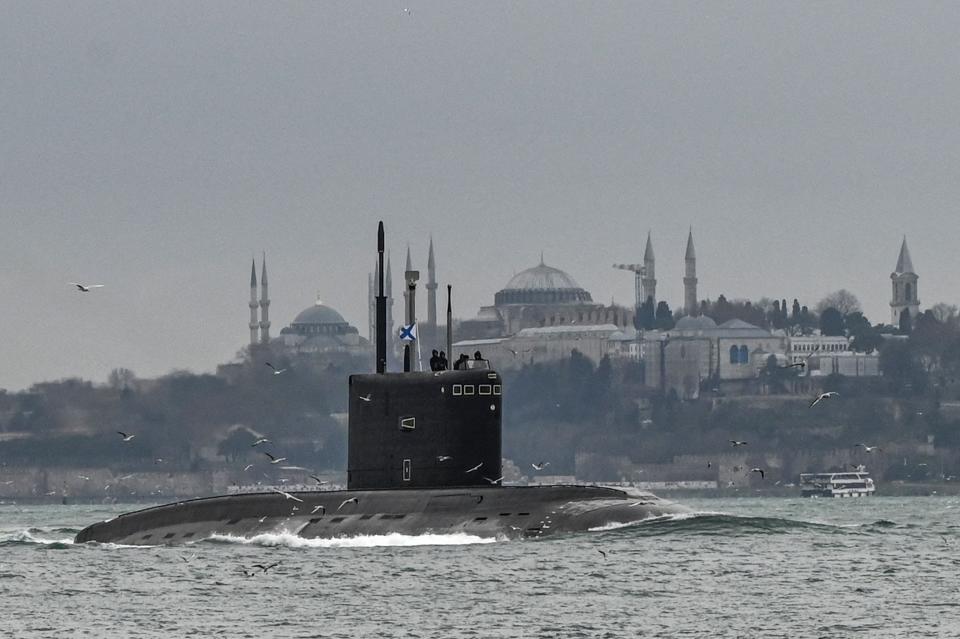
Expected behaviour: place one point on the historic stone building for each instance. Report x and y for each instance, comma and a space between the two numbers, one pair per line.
316, 329
904, 280
540, 297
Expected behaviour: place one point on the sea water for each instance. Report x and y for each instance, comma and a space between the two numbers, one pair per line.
748, 567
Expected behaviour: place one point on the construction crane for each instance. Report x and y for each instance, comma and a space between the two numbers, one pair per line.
638, 272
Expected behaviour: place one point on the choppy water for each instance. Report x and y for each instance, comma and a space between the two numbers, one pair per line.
877, 567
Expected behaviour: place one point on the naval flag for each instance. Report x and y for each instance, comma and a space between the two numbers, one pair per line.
408, 333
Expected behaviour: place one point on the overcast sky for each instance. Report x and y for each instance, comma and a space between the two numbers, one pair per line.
155, 147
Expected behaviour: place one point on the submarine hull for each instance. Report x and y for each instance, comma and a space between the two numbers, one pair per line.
513, 512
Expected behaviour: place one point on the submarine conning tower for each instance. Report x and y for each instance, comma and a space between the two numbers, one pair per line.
418, 429
424, 430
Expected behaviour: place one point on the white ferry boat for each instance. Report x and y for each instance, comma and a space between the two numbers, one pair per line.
853, 484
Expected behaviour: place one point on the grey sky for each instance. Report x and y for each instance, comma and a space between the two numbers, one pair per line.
155, 147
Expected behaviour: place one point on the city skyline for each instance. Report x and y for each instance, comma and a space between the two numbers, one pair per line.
156, 149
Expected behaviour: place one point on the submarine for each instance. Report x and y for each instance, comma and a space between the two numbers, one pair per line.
424, 457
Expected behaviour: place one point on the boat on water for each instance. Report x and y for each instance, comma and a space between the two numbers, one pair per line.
852, 484
424, 457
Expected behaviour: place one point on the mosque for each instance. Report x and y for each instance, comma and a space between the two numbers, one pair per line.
316, 330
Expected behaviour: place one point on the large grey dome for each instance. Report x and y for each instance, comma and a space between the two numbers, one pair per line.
542, 284
541, 277
318, 314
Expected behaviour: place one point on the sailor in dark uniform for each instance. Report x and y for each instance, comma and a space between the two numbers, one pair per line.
435, 361
442, 363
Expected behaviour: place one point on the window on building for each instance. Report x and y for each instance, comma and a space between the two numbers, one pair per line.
744, 355
734, 355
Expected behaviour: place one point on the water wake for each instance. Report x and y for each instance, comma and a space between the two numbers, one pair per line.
36, 537
291, 540
712, 523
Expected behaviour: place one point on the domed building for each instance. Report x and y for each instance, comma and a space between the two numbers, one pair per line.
538, 297
321, 329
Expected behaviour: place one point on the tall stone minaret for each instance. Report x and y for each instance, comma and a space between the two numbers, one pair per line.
690, 305
904, 286
264, 304
649, 281
432, 294
254, 324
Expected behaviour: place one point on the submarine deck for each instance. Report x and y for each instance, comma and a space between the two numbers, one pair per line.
494, 511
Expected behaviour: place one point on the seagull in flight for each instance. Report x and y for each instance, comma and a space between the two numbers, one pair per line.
541, 465
477, 467
368, 397
261, 440
247, 467
287, 495
352, 500
443, 458
262, 519
757, 470
869, 449
494, 481
822, 396
602, 553
735, 443
319, 507
276, 371
266, 568
85, 288
274, 460
319, 481
125, 436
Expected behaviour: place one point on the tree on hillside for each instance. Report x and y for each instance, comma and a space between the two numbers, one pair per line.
664, 316
831, 322
842, 300
945, 313
807, 321
864, 337
906, 324
646, 316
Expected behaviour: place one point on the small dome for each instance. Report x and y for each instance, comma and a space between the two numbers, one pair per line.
540, 278
318, 314
698, 323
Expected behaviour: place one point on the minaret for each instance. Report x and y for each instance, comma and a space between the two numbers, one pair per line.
904, 281
431, 295
264, 304
649, 281
253, 303
690, 279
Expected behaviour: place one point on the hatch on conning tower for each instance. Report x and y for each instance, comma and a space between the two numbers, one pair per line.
424, 430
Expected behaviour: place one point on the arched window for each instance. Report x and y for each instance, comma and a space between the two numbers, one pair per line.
734, 355
744, 355
909, 298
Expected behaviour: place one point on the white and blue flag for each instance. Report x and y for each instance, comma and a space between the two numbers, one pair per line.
408, 333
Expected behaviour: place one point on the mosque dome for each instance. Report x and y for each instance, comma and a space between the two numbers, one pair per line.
542, 284
318, 315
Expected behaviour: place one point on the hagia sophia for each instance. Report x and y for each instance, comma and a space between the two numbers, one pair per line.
542, 315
